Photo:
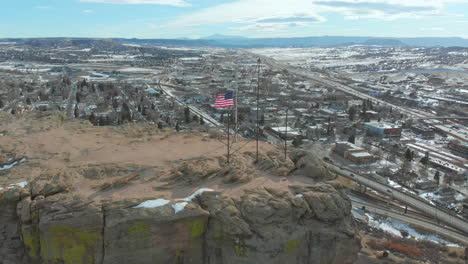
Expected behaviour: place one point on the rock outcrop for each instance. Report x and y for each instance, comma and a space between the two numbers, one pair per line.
298, 224
77, 199
311, 166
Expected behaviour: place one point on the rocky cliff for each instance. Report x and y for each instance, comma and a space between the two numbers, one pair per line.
301, 224
113, 198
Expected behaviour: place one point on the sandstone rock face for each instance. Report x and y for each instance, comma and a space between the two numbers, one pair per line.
276, 226
11, 247
298, 224
311, 166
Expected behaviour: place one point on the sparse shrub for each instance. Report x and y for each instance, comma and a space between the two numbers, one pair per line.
404, 233
403, 248
375, 245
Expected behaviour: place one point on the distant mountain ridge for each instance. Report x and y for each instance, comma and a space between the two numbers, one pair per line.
224, 41
242, 42
223, 37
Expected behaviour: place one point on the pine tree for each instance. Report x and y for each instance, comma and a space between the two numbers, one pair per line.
187, 114
352, 139
92, 119
76, 112
425, 159
408, 155
437, 177
351, 113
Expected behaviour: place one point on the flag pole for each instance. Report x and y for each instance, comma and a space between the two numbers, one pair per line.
228, 128
258, 98
286, 135
235, 113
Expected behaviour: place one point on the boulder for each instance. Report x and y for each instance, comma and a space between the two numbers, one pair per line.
310, 165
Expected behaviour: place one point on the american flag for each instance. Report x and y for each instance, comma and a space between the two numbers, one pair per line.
224, 100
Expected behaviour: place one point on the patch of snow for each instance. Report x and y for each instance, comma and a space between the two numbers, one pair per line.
459, 197
383, 226
152, 203
394, 228
20, 184
8, 166
429, 196
299, 195
195, 194
178, 207
135, 69
393, 184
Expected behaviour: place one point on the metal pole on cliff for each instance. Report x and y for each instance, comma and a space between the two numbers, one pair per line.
258, 98
235, 115
228, 128
286, 135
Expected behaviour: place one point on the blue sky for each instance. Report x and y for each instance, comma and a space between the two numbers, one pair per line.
250, 18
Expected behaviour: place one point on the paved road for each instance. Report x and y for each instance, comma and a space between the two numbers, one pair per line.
69, 111
194, 109
439, 214
412, 220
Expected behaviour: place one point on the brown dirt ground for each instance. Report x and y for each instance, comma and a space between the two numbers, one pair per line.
54, 146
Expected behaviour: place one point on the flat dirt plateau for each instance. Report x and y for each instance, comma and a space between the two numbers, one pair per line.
133, 161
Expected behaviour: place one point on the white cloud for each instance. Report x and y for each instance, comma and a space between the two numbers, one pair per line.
88, 11
261, 27
248, 11
256, 15
140, 2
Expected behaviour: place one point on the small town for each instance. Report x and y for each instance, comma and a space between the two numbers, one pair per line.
230, 149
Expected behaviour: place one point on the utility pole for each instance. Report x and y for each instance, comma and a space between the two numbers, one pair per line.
258, 98
286, 135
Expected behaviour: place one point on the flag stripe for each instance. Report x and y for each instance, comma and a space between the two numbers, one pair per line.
222, 102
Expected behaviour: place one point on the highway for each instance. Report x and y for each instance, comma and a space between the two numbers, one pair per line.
439, 214
344, 88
